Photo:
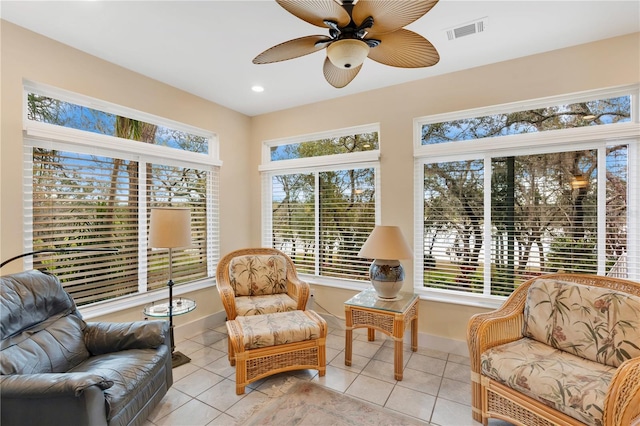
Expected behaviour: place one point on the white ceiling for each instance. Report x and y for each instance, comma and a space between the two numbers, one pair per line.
206, 47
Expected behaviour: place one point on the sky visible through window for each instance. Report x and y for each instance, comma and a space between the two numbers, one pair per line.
582, 114
54, 111
331, 146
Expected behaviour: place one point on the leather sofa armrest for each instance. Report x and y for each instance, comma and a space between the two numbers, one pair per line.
107, 337
50, 385
53, 399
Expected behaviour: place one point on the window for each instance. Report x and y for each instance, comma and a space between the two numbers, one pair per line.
492, 214
595, 112
319, 200
93, 177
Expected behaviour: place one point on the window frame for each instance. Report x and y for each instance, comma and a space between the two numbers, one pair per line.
315, 165
552, 141
51, 136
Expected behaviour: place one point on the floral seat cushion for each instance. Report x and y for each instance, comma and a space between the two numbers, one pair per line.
261, 331
596, 323
256, 275
565, 382
258, 305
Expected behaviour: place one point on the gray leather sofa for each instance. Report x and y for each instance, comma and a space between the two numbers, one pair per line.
57, 369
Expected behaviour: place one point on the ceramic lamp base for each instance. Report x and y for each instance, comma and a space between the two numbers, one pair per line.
387, 277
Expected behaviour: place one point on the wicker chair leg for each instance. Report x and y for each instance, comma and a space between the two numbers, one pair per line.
476, 400
230, 353
241, 372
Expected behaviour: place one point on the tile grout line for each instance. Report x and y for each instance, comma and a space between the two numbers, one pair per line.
337, 332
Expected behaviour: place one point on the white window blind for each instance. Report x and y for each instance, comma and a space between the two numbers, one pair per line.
320, 200
546, 212
346, 218
85, 201
93, 171
321, 219
187, 187
492, 213
88, 201
453, 225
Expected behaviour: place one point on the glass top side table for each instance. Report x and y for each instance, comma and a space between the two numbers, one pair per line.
366, 310
180, 306
161, 310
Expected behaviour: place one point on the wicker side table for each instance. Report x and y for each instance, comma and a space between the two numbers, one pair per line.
389, 317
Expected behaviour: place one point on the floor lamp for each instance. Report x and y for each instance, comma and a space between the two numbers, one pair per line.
170, 228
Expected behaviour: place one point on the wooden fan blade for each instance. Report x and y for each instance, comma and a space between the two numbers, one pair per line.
390, 15
404, 49
292, 49
317, 11
338, 77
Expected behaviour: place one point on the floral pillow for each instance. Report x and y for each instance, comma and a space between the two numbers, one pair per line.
595, 323
258, 275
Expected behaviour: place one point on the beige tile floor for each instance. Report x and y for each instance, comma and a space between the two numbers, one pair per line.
435, 388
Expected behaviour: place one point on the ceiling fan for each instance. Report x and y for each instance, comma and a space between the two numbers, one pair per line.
357, 30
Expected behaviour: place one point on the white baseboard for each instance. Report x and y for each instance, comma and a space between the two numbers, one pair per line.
443, 344
438, 343
193, 328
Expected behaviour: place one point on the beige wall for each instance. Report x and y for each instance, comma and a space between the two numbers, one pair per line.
26, 55
607, 63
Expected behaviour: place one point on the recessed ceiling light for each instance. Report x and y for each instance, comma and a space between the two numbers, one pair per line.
257, 89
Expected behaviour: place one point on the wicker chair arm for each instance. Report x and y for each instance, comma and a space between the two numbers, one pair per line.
227, 296
622, 403
299, 291
490, 329
497, 327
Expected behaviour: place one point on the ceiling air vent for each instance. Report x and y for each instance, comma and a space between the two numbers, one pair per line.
474, 27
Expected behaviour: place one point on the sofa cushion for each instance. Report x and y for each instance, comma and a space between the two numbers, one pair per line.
136, 375
565, 382
256, 275
596, 323
53, 346
29, 298
258, 305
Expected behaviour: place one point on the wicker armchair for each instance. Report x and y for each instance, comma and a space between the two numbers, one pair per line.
256, 281
618, 402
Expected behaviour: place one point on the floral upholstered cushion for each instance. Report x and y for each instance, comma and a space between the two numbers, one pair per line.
258, 305
255, 275
260, 331
596, 323
565, 382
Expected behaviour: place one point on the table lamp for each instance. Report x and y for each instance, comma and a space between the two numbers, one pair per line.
170, 227
386, 245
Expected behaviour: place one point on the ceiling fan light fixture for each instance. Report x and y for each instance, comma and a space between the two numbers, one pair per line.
347, 53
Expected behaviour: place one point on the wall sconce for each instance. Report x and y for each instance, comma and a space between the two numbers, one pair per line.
579, 182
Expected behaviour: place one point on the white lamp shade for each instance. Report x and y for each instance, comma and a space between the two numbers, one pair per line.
170, 227
347, 53
386, 242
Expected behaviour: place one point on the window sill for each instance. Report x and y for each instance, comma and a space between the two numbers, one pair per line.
455, 298
335, 282
139, 300
458, 298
